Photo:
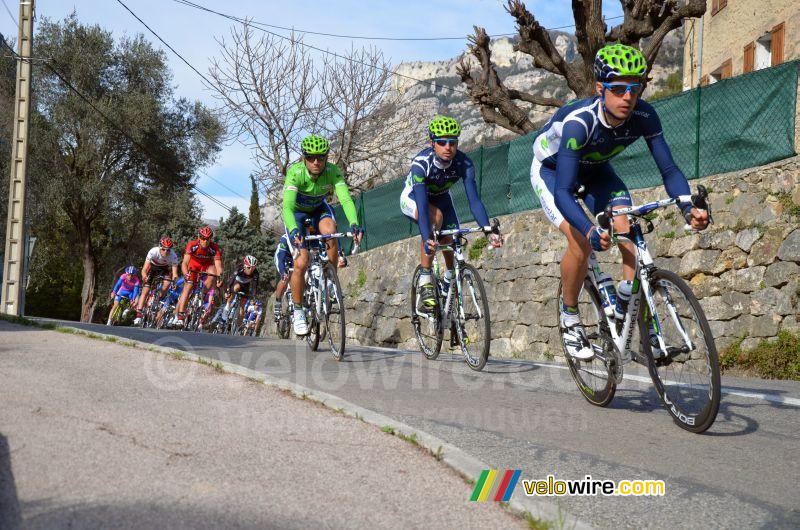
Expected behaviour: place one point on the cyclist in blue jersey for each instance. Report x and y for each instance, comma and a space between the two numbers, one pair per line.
283, 262
426, 197
573, 150
171, 297
127, 286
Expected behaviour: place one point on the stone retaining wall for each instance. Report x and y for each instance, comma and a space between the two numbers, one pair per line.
744, 269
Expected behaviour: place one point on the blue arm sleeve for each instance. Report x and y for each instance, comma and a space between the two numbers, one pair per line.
136, 289
674, 180
573, 137
421, 198
475, 204
117, 285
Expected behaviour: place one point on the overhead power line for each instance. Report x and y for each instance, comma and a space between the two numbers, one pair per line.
165, 43
49, 65
309, 46
16, 24
363, 37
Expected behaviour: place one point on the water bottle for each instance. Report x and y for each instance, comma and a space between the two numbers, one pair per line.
623, 297
608, 296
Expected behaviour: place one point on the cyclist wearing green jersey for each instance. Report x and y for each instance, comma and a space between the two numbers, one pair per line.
307, 184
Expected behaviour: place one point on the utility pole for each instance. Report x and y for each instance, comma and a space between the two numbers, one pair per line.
13, 295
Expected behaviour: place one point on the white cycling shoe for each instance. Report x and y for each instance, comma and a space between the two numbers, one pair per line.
574, 336
299, 323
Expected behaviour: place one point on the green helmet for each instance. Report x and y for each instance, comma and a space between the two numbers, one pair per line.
443, 126
618, 60
315, 145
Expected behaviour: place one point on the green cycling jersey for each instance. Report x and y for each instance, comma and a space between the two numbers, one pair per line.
305, 193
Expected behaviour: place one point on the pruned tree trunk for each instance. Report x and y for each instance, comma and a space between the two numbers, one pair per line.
88, 294
652, 19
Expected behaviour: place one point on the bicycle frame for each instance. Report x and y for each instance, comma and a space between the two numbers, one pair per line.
446, 309
641, 280
315, 276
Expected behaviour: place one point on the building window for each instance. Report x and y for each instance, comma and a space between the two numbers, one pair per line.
717, 5
763, 52
723, 72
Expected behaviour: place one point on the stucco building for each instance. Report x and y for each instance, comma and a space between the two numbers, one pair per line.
739, 36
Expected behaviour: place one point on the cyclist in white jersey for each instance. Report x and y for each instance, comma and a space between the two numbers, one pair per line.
160, 261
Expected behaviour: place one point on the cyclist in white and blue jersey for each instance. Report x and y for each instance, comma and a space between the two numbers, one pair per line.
426, 197
573, 150
283, 262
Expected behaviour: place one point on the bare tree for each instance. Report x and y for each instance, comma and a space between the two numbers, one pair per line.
651, 19
266, 85
371, 133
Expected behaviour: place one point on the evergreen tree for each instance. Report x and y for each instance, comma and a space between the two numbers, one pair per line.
237, 239
254, 216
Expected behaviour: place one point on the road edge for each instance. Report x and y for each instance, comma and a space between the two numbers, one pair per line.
466, 465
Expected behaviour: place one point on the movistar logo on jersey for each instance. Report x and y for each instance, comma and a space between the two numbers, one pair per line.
596, 156
544, 143
440, 188
572, 143
620, 193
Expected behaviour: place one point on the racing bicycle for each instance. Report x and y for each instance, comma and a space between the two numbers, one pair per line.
461, 305
676, 344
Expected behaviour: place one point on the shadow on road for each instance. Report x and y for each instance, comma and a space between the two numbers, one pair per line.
9, 504
728, 422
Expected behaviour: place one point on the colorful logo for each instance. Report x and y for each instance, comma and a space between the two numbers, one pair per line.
494, 485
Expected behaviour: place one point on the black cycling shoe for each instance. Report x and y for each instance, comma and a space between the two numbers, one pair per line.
427, 297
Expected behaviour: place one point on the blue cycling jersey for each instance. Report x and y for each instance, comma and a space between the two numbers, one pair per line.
174, 292
430, 176
127, 285
577, 138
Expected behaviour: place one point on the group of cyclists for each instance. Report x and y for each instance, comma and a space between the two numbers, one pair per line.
201, 265
571, 155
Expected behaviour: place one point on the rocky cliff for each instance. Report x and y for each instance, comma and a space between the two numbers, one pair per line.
516, 69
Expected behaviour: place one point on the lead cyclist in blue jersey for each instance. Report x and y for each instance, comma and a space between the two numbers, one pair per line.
426, 197
573, 150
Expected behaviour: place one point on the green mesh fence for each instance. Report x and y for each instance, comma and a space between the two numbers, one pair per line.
734, 124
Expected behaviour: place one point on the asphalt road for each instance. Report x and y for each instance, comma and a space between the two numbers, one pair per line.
523, 415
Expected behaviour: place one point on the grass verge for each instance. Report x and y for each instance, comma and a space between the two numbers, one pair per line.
777, 358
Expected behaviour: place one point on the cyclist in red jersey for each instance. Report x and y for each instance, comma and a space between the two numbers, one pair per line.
202, 255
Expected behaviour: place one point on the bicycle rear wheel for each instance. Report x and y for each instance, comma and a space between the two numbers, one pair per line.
594, 377
476, 326
334, 313
686, 376
427, 326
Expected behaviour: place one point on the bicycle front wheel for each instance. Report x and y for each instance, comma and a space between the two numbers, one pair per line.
313, 336
427, 325
476, 326
686, 375
595, 376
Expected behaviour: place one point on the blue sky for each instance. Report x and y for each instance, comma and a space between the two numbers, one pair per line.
191, 33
